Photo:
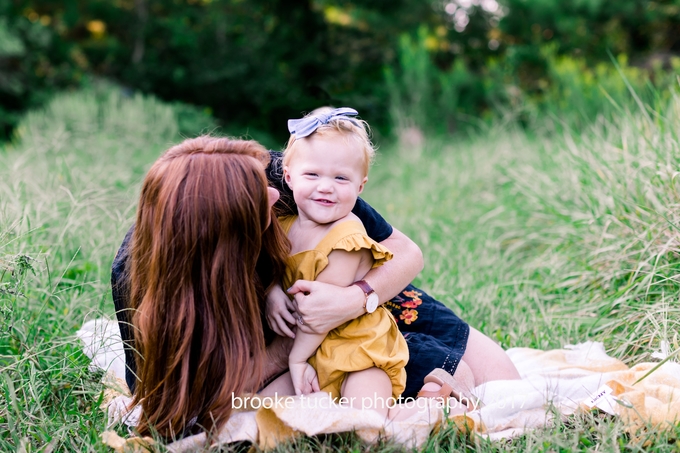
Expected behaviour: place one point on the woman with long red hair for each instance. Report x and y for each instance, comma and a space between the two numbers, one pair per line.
190, 281
204, 251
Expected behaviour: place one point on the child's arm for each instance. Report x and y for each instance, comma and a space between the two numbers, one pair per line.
343, 269
279, 310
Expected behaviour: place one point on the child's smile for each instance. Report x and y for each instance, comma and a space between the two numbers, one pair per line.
326, 175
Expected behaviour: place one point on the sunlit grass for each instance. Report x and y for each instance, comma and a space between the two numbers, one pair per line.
547, 241
538, 240
67, 190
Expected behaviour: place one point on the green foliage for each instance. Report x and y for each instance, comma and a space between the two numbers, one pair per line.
592, 28
425, 96
578, 94
538, 240
568, 88
254, 64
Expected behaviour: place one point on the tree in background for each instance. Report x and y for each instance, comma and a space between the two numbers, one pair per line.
255, 63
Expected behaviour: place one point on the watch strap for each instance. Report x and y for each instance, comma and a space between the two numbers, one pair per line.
365, 287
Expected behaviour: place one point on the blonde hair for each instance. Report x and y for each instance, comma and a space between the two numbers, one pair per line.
353, 130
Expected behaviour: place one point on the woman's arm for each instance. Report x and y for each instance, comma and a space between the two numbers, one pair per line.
277, 358
120, 286
324, 306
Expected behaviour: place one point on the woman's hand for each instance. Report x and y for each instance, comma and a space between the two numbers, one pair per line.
323, 307
278, 312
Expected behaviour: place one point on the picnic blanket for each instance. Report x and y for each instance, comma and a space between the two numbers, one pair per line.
577, 378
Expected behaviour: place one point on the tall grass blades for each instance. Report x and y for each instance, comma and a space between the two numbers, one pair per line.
551, 240
67, 192
538, 239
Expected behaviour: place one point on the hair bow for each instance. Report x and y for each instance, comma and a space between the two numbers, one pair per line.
306, 126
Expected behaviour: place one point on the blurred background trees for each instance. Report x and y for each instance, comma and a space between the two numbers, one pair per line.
439, 65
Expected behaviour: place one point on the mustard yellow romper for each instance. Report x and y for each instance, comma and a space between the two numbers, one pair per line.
372, 339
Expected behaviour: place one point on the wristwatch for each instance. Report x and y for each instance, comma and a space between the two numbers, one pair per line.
372, 299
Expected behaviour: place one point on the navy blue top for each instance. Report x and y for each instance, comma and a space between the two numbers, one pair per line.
376, 227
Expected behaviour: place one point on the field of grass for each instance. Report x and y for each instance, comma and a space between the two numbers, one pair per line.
539, 238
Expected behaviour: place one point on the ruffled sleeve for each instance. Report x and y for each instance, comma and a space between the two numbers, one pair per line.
286, 222
351, 237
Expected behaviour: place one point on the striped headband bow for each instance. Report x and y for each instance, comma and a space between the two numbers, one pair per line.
306, 126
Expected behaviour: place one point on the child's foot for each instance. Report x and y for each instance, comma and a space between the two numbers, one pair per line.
440, 384
433, 390
430, 408
442, 394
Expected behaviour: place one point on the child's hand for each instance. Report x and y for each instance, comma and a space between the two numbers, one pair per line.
304, 378
278, 312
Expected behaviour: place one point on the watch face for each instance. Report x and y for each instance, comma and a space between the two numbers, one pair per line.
372, 302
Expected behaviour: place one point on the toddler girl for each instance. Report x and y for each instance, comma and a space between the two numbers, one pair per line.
326, 166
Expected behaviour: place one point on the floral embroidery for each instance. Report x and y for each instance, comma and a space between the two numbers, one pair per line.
406, 306
412, 294
415, 299
411, 303
409, 316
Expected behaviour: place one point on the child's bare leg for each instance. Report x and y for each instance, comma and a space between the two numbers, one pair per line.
487, 360
368, 389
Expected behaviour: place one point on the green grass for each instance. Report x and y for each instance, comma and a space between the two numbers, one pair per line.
538, 240
549, 240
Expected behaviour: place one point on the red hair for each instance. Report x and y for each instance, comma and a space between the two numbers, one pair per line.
203, 253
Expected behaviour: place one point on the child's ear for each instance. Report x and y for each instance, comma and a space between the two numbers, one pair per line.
363, 183
286, 176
